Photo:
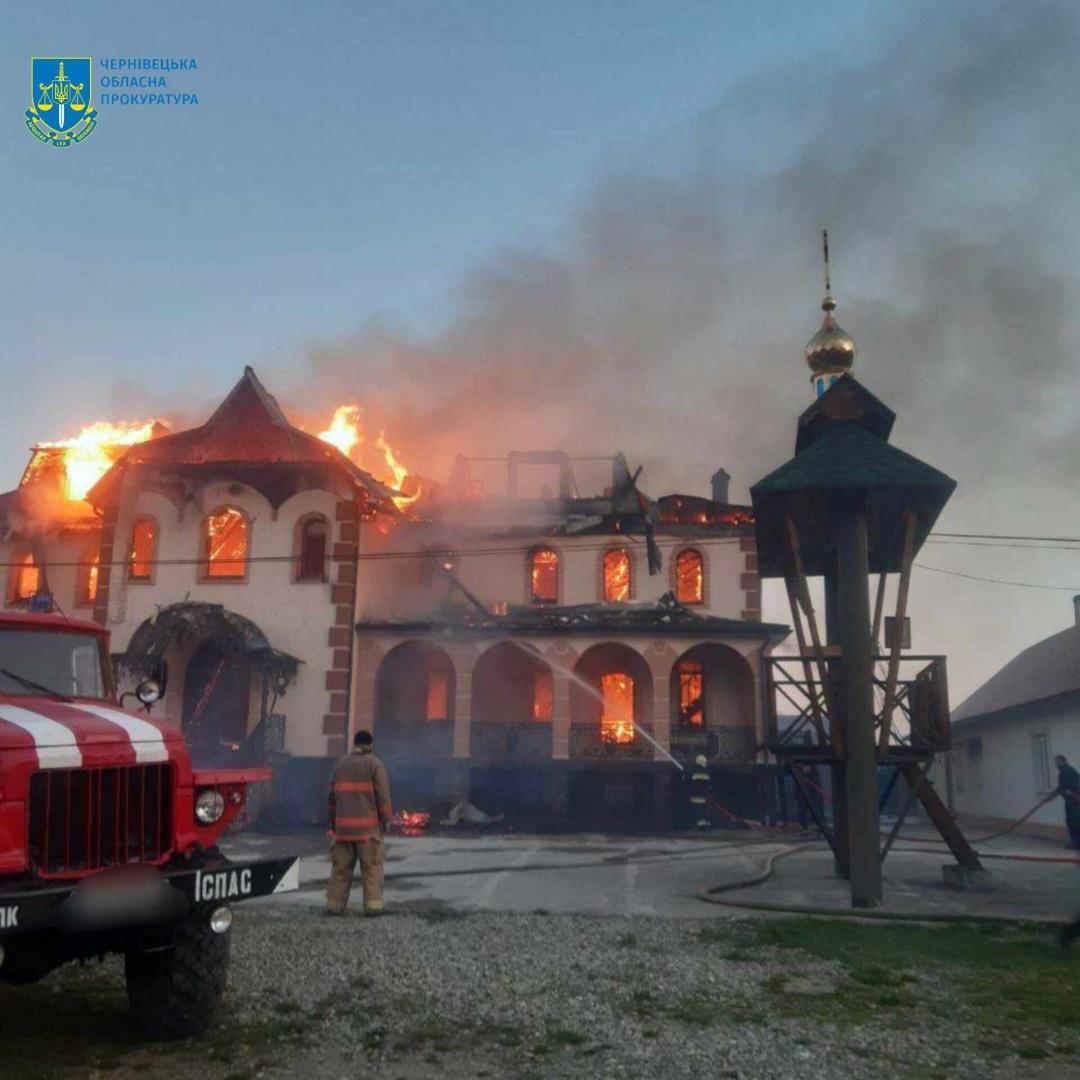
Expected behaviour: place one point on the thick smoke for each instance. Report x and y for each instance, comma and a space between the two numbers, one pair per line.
671, 322
667, 317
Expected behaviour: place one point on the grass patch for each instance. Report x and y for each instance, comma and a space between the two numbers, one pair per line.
559, 1038
714, 935
1013, 984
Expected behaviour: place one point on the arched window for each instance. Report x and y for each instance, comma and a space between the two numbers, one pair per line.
144, 534
25, 579
616, 576
225, 544
311, 549
617, 714
691, 678
690, 577
544, 576
87, 578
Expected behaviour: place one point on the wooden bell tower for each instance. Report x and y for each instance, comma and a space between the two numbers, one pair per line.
846, 506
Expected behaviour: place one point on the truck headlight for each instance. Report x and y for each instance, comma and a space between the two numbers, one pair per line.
209, 806
221, 920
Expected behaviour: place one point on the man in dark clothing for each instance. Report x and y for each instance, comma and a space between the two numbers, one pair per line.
1069, 789
359, 813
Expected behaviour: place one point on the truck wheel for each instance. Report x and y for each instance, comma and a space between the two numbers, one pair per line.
175, 993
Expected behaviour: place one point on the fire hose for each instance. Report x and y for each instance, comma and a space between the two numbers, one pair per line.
712, 895
1001, 832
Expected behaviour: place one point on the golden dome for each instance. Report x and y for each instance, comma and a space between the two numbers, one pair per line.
831, 348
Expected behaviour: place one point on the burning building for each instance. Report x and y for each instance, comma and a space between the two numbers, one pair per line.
511, 638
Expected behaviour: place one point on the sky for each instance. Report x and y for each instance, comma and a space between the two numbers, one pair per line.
587, 224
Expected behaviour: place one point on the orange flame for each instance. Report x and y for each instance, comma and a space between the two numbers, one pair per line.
91, 453
347, 434
344, 431
399, 471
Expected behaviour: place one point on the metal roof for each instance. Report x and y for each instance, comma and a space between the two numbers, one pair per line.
1047, 669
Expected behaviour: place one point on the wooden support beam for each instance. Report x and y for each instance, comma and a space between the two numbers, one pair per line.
808, 671
894, 648
939, 814
898, 824
879, 607
856, 686
811, 804
836, 731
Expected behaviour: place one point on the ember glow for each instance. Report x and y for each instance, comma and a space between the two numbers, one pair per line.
91, 453
616, 577
545, 576
690, 577
346, 432
410, 822
617, 715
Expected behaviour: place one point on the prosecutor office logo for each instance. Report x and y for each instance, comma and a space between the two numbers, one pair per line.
60, 111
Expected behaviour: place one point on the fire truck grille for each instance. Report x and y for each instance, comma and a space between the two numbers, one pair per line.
89, 819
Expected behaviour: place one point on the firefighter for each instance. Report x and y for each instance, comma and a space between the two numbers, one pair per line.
698, 791
359, 813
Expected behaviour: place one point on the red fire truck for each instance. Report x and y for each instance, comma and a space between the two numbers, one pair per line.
108, 834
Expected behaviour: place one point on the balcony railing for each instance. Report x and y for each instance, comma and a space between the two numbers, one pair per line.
801, 705
586, 742
418, 740
521, 741
720, 743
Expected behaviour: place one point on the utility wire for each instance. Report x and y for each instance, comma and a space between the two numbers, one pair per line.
999, 581
1031, 543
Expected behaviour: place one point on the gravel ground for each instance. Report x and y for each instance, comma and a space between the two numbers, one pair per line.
445, 995
435, 994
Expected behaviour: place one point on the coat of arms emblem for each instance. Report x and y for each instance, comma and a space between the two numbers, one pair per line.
60, 110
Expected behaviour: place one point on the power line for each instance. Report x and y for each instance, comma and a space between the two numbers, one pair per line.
997, 544
376, 556
991, 540
1009, 536
999, 581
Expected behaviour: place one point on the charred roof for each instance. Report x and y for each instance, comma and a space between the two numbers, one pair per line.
249, 439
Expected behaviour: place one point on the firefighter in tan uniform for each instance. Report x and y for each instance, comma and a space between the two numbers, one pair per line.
359, 812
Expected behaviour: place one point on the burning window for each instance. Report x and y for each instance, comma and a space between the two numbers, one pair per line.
690, 577
438, 695
143, 545
25, 578
89, 575
617, 711
543, 706
226, 544
616, 576
311, 563
544, 574
691, 693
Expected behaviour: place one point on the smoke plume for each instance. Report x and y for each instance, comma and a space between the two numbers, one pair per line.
670, 317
